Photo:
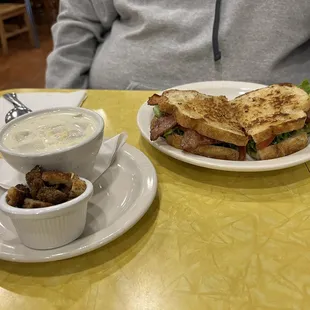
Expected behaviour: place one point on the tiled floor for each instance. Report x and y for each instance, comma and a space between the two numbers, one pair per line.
24, 67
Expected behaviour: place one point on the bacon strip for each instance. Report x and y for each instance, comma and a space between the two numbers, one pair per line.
160, 125
192, 139
154, 100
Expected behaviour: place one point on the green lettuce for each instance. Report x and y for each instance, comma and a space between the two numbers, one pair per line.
251, 146
175, 130
306, 128
157, 112
228, 145
251, 149
305, 85
283, 137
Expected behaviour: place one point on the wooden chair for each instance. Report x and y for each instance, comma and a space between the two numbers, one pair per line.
51, 9
13, 10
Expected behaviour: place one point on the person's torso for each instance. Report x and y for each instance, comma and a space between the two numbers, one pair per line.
159, 44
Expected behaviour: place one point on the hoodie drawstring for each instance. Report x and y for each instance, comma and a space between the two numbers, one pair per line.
215, 34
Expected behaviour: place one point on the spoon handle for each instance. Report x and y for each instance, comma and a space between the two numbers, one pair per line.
11, 97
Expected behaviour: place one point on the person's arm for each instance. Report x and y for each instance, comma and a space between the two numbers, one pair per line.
76, 35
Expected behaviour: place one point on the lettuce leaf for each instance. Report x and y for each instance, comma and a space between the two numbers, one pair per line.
251, 146
228, 145
157, 111
306, 128
175, 130
251, 149
168, 133
305, 85
283, 137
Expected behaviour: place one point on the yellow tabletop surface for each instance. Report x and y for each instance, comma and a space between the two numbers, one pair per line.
211, 240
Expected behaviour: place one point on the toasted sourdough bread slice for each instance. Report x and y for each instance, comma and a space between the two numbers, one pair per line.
211, 116
272, 110
213, 151
286, 147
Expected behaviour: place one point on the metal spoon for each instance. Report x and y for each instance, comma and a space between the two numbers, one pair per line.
14, 113
12, 97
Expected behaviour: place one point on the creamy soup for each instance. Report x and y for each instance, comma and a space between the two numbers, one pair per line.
44, 133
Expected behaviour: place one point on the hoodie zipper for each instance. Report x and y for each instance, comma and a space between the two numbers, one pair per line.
215, 34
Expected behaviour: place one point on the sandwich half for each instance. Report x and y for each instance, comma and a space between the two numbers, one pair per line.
198, 124
276, 120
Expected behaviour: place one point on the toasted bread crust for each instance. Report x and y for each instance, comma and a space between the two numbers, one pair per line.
284, 148
32, 203
78, 187
51, 195
175, 141
154, 99
212, 151
210, 116
57, 177
272, 110
218, 152
279, 129
15, 197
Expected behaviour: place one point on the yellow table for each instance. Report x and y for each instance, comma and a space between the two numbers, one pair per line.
211, 240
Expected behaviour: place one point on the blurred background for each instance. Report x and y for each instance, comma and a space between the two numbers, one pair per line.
25, 41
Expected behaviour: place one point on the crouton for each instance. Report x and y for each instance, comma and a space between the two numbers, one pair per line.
32, 203
15, 197
35, 186
35, 173
57, 177
78, 187
51, 195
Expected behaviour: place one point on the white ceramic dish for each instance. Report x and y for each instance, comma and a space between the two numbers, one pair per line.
79, 158
231, 90
51, 227
121, 197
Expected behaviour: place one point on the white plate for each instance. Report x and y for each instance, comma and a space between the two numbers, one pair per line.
230, 90
121, 197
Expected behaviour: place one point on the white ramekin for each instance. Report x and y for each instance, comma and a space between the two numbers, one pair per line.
79, 158
50, 227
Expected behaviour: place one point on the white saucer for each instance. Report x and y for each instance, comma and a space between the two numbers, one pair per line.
121, 197
229, 89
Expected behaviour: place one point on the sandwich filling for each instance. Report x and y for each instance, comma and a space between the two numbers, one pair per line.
253, 148
164, 125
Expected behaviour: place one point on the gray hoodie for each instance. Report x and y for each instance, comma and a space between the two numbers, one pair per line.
156, 44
